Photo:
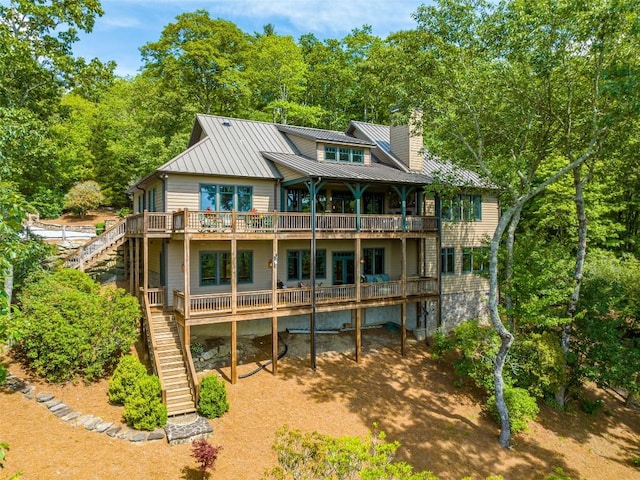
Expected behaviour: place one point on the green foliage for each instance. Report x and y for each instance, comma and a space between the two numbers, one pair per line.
123, 382
143, 408
48, 203
196, 349
4, 448
213, 397
100, 228
591, 407
477, 346
557, 475
522, 408
71, 327
316, 456
123, 212
83, 197
537, 363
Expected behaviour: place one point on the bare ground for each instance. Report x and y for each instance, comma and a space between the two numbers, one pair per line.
442, 428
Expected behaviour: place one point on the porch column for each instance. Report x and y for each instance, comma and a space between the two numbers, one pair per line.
358, 268
357, 192
274, 344
234, 351
274, 274
145, 264
186, 271
358, 334
403, 266
132, 275
136, 286
234, 274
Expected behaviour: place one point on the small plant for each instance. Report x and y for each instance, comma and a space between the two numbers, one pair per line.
591, 407
636, 461
521, 405
213, 397
125, 376
558, 474
4, 448
124, 211
143, 409
196, 349
100, 228
205, 455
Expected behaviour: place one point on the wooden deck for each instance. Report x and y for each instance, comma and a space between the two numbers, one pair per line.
203, 222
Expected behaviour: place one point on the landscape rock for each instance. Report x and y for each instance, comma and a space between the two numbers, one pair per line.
44, 397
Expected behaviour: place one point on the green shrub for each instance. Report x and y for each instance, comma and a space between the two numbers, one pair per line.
196, 349
591, 407
48, 203
478, 346
83, 197
442, 344
213, 397
537, 363
124, 211
70, 327
521, 405
100, 226
125, 376
143, 409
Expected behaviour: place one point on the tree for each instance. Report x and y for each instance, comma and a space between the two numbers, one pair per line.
203, 58
83, 197
503, 80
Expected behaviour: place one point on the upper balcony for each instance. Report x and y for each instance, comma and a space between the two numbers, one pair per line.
203, 222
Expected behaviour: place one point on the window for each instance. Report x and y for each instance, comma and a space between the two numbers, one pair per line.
300, 201
343, 154
151, 200
342, 202
299, 264
373, 203
373, 261
140, 203
467, 208
215, 268
474, 260
448, 260
225, 198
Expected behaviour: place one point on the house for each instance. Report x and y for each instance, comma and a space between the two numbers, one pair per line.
222, 237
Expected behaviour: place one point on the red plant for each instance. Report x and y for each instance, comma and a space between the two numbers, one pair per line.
205, 455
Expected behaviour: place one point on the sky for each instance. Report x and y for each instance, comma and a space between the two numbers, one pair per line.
129, 24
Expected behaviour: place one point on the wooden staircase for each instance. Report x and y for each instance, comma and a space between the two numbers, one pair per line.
172, 366
96, 249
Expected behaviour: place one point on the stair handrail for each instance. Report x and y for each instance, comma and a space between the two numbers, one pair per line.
96, 245
147, 320
193, 376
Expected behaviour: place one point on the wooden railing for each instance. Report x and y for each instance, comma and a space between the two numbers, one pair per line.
295, 297
96, 246
147, 325
155, 297
272, 222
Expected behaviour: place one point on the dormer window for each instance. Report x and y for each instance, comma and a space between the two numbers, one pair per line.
343, 154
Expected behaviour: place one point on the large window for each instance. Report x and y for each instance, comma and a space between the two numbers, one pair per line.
343, 202
299, 200
225, 198
299, 264
343, 154
448, 260
373, 261
474, 259
215, 268
466, 208
373, 203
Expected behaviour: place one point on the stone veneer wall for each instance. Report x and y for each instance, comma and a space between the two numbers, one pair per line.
459, 307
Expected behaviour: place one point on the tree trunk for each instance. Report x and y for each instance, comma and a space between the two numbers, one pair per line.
511, 237
581, 251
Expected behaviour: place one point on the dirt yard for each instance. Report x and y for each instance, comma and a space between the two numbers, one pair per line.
413, 398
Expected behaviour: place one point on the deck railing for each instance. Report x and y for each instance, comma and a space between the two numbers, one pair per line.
272, 222
155, 297
215, 303
147, 326
96, 246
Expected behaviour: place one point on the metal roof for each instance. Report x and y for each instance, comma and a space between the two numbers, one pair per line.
324, 135
231, 147
340, 171
433, 167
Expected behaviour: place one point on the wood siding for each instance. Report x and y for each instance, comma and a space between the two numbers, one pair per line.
183, 191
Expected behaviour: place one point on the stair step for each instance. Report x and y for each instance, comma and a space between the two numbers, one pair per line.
183, 403
179, 391
176, 383
182, 411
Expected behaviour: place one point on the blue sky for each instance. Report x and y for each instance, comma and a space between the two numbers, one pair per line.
129, 24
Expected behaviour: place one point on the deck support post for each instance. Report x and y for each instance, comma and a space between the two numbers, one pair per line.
145, 264
234, 351
274, 344
131, 267
186, 270
358, 334
136, 283
403, 329
234, 275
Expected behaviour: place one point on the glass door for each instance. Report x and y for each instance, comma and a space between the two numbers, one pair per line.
343, 268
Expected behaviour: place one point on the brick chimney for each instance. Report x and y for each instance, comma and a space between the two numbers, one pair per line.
406, 139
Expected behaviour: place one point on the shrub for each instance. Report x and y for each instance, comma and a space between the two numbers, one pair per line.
83, 197
522, 408
48, 203
100, 226
478, 346
213, 397
537, 363
124, 211
125, 376
143, 408
591, 407
69, 326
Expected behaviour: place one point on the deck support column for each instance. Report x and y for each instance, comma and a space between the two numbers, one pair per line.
358, 334
358, 268
131, 267
274, 344
136, 283
234, 275
145, 265
234, 351
274, 274
403, 329
186, 270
